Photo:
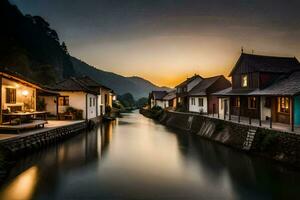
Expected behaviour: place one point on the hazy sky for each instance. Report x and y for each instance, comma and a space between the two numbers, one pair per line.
167, 40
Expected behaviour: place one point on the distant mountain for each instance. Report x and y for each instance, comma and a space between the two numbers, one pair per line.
147, 85
137, 86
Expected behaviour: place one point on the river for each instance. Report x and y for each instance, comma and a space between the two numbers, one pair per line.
136, 158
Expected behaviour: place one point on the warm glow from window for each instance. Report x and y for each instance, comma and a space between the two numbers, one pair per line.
23, 186
245, 80
283, 104
25, 92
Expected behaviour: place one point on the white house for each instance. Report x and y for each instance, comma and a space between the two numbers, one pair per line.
156, 98
200, 97
76, 93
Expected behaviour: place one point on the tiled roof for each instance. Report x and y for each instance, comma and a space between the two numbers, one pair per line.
170, 95
188, 80
73, 84
260, 63
230, 92
159, 95
200, 89
287, 86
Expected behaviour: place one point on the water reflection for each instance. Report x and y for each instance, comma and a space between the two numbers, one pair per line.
23, 186
135, 158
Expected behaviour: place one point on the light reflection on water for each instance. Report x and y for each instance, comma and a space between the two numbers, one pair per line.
135, 158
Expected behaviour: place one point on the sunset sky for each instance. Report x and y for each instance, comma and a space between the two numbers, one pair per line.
165, 41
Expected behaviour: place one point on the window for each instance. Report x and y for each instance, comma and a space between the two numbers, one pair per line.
283, 104
193, 101
244, 80
252, 102
236, 102
11, 94
200, 102
90, 101
94, 101
63, 101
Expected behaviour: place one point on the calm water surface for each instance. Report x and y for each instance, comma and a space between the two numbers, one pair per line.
135, 158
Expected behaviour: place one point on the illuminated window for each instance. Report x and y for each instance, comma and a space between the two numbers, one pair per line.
283, 104
200, 102
11, 94
236, 102
245, 80
252, 102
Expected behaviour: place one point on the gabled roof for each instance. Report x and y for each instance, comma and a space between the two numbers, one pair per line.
260, 63
158, 95
188, 80
73, 84
287, 86
200, 88
18, 77
170, 95
230, 92
88, 81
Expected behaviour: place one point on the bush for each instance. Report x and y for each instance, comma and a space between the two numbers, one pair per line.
77, 113
269, 140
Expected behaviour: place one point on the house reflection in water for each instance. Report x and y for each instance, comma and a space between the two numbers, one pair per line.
23, 186
71, 155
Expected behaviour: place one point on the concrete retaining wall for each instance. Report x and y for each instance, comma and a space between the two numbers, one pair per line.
277, 145
17, 146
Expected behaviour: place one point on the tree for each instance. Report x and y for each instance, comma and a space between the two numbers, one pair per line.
64, 47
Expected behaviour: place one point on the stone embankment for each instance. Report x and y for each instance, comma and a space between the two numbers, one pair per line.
277, 145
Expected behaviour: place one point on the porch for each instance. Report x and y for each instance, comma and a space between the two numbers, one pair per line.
255, 122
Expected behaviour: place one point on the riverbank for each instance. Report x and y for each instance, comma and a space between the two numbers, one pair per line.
273, 144
20, 144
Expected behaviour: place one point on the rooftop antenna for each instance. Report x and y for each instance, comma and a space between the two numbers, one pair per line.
242, 49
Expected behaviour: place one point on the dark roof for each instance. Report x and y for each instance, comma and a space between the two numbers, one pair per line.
17, 75
200, 88
260, 63
159, 95
287, 86
88, 81
188, 80
170, 95
230, 92
73, 84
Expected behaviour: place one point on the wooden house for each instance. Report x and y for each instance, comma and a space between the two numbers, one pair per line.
200, 97
255, 88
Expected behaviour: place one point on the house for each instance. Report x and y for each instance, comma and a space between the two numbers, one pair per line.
18, 101
105, 97
170, 99
156, 98
184, 88
75, 93
200, 97
263, 88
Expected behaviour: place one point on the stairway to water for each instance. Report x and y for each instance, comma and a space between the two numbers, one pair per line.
249, 139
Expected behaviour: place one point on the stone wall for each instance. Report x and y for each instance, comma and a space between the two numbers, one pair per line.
17, 146
279, 146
